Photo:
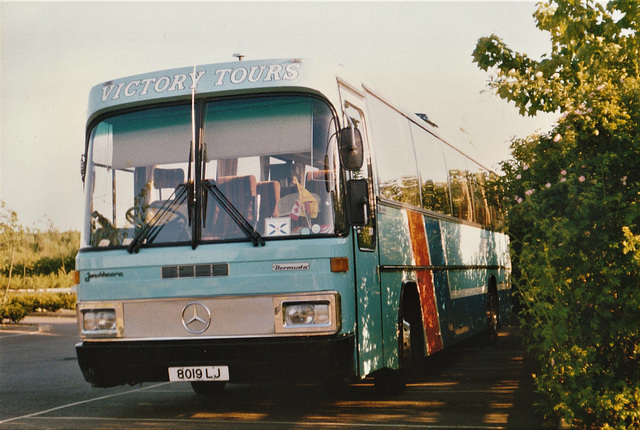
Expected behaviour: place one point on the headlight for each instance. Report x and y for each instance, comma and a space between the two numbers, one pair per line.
308, 314
316, 314
99, 321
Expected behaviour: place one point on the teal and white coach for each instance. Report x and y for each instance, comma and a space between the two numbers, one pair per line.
276, 220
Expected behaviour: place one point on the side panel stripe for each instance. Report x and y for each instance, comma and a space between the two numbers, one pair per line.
425, 282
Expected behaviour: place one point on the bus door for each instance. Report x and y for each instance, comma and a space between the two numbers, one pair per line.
366, 261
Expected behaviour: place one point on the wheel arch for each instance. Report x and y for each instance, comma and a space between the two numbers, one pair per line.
410, 309
409, 293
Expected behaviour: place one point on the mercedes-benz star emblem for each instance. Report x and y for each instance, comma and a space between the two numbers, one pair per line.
196, 317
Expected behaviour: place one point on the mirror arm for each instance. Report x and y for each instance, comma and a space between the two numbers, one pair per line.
354, 147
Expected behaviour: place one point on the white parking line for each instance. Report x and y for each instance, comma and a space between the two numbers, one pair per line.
6, 334
235, 423
35, 414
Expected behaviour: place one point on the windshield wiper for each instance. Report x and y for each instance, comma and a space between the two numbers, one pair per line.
150, 230
247, 228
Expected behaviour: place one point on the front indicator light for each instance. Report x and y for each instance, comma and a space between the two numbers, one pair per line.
339, 264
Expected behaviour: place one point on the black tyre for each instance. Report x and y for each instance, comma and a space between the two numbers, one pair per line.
410, 349
493, 317
413, 351
209, 389
389, 382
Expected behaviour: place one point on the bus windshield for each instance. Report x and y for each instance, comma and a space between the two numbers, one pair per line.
273, 159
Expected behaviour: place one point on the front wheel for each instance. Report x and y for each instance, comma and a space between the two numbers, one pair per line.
410, 351
209, 389
389, 381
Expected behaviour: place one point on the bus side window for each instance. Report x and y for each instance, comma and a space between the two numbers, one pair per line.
432, 171
478, 177
461, 198
493, 199
394, 153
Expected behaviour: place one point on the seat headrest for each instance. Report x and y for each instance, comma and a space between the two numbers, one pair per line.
167, 178
242, 185
320, 175
269, 189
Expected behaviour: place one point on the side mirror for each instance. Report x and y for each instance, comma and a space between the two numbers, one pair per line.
358, 202
351, 149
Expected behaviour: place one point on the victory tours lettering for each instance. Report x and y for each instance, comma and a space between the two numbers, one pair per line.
233, 76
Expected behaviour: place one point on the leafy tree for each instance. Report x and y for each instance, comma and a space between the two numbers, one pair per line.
36, 260
574, 215
11, 233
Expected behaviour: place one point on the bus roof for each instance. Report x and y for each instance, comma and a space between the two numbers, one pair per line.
236, 77
219, 78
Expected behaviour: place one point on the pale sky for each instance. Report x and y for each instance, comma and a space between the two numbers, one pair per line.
416, 53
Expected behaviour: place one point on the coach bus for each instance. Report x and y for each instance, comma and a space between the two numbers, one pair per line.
276, 220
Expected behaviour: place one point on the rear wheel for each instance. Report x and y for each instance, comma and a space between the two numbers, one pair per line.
493, 316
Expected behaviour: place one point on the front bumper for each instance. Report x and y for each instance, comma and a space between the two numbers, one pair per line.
106, 364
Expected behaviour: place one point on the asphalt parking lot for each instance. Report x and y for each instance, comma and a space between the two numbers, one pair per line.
468, 386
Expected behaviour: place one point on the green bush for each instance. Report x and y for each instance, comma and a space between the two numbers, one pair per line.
34, 260
68, 301
13, 312
20, 305
40, 282
579, 290
573, 201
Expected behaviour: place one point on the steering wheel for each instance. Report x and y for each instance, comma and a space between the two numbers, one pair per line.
137, 215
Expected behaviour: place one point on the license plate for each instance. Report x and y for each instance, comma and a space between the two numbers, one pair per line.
199, 373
